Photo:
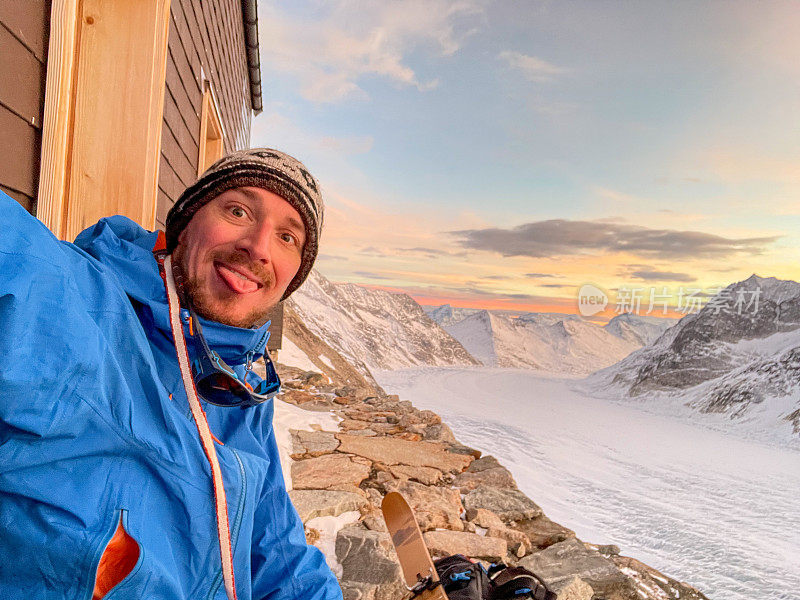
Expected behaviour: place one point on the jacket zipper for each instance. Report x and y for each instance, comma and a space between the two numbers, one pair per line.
120, 517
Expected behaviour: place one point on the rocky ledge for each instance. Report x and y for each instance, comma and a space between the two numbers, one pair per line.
465, 503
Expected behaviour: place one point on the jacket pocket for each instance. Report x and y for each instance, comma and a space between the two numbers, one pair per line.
121, 558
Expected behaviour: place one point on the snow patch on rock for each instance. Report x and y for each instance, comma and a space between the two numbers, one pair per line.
291, 356
328, 528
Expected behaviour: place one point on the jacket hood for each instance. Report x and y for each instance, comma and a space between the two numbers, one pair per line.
127, 250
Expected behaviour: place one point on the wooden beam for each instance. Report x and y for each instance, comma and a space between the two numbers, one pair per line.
103, 112
57, 122
119, 103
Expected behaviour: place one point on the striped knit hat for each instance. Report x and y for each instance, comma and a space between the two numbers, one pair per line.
264, 168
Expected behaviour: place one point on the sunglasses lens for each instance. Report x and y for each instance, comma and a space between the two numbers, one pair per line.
218, 384
219, 388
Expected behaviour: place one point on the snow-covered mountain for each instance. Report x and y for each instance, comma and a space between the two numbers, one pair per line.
446, 314
640, 330
378, 329
552, 342
739, 355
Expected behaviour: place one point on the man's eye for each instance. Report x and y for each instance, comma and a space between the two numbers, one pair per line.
288, 238
238, 211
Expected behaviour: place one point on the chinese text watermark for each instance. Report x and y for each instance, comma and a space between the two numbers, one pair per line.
655, 301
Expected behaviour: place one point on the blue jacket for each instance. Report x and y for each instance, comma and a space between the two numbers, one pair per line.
95, 426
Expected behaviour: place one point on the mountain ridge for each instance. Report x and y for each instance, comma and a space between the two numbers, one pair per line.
729, 358
374, 328
553, 342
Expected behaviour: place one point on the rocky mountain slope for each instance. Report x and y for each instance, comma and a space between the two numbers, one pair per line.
322, 357
374, 329
554, 342
739, 355
465, 503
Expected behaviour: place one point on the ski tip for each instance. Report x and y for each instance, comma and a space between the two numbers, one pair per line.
393, 499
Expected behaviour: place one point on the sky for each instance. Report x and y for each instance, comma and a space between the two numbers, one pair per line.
504, 154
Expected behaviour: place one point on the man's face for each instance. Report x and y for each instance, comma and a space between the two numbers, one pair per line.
238, 255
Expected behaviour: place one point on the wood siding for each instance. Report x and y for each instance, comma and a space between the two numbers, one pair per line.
24, 33
206, 41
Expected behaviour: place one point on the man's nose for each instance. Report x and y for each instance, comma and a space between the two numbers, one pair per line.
258, 242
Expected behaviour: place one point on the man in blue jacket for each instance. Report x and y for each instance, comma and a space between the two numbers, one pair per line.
137, 456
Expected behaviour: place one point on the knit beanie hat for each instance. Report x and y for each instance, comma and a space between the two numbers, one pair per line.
264, 168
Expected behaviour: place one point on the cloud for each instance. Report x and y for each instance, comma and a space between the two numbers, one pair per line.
475, 291
649, 273
328, 56
479, 298
429, 252
532, 68
496, 277
370, 275
656, 275
558, 237
372, 251
331, 257
539, 275
426, 252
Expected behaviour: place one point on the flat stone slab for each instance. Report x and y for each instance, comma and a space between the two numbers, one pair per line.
484, 518
445, 543
329, 472
309, 444
391, 451
542, 532
518, 542
497, 477
438, 433
363, 432
508, 504
425, 475
299, 397
434, 507
483, 463
311, 504
352, 590
367, 556
573, 589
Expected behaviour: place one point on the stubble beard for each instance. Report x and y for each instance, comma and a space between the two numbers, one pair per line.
196, 290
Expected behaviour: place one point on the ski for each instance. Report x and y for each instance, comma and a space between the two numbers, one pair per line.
415, 560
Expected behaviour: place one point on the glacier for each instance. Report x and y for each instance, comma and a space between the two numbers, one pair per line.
711, 507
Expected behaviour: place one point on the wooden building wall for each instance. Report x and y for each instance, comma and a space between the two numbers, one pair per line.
24, 34
206, 41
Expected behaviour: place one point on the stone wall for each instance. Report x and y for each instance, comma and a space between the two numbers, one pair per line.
465, 503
